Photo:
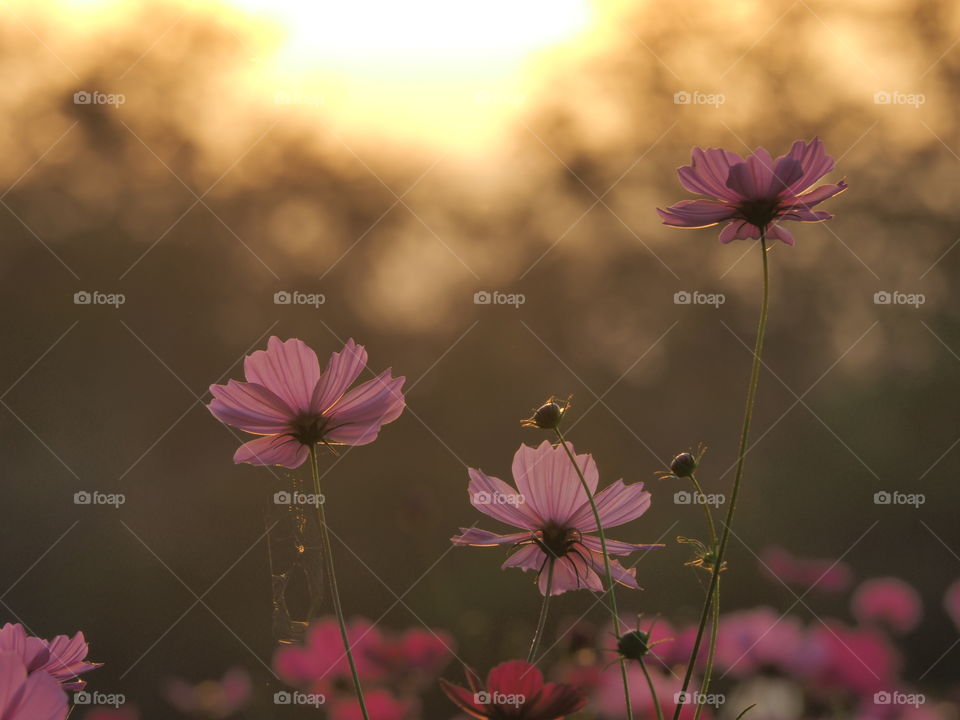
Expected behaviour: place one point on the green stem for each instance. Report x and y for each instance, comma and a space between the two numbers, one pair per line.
337, 607
538, 635
614, 613
715, 603
653, 691
741, 455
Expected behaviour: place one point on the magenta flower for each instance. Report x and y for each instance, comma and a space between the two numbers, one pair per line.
293, 405
554, 515
514, 691
803, 573
890, 601
26, 695
755, 194
63, 658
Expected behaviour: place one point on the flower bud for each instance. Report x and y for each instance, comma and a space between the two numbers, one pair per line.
548, 415
634, 644
683, 465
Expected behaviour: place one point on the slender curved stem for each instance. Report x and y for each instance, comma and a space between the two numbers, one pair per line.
614, 613
738, 476
715, 603
653, 691
538, 635
337, 607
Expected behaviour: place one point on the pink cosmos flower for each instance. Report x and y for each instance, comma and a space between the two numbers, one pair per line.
212, 698
554, 515
858, 660
805, 573
293, 405
28, 696
320, 665
754, 194
951, 601
762, 640
890, 601
514, 691
63, 658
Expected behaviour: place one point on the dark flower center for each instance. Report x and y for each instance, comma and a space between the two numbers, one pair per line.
308, 428
557, 541
759, 212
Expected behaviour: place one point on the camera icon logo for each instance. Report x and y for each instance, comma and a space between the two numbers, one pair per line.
482, 297
82, 698
682, 98
282, 697
282, 497
881, 698
882, 297
82, 298
482, 697
682, 297
682, 497
881, 97
82, 97
282, 297
82, 498
882, 497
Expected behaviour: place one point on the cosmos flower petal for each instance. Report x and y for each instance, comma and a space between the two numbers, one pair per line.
617, 504
571, 572
617, 547
484, 538
708, 171
556, 701
778, 232
37, 696
815, 197
341, 372
289, 369
529, 557
272, 450
696, 213
739, 230
250, 407
493, 497
463, 699
815, 162
549, 485
786, 171
515, 678
357, 418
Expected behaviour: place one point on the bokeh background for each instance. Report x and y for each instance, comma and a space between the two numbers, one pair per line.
398, 159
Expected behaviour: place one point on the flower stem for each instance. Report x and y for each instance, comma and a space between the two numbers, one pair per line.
538, 635
653, 691
337, 607
614, 613
713, 597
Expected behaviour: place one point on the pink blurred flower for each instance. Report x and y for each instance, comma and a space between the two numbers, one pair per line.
555, 514
608, 700
320, 665
415, 656
754, 194
760, 639
293, 405
805, 573
212, 698
514, 691
380, 705
63, 658
858, 660
951, 601
890, 601
28, 696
